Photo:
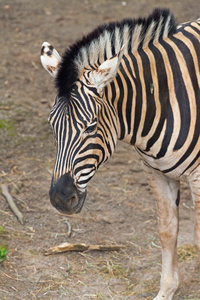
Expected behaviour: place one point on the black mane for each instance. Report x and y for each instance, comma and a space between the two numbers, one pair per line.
69, 70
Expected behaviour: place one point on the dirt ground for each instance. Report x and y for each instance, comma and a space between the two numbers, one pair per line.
119, 208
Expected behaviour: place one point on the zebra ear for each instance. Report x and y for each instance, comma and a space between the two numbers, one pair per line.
107, 71
50, 58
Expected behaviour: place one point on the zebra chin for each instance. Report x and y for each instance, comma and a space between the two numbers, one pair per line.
65, 196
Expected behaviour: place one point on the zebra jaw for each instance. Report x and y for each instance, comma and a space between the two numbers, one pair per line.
50, 58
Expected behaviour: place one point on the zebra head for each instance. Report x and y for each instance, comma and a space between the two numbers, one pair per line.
85, 127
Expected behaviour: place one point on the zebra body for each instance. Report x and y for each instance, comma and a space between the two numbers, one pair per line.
137, 81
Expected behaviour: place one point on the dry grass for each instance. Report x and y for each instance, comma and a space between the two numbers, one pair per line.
187, 252
117, 280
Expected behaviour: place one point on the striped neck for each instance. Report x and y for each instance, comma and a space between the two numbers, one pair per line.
135, 92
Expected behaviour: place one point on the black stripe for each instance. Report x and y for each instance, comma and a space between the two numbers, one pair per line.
86, 166
110, 104
192, 144
195, 29
151, 108
163, 95
58, 158
129, 99
56, 111
107, 126
192, 162
168, 133
178, 198
170, 118
119, 107
113, 89
82, 98
195, 42
138, 100
82, 159
88, 179
92, 146
75, 142
113, 117
63, 150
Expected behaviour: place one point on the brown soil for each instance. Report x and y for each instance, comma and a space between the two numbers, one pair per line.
119, 208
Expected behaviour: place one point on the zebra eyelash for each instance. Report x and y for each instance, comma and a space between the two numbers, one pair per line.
91, 128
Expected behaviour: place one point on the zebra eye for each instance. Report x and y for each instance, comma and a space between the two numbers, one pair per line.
88, 82
91, 128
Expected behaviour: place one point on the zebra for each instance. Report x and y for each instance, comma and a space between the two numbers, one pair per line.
137, 81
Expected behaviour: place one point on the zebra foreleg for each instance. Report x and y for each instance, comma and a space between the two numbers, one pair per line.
166, 193
194, 182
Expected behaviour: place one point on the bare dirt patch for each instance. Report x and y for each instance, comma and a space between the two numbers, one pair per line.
119, 208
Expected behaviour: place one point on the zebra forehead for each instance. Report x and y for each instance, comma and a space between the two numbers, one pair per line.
106, 41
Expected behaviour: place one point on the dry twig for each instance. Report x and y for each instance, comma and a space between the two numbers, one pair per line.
11, 203
69, 231
65, 247
5, 108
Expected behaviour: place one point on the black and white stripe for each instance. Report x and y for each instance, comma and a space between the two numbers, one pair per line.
153, 103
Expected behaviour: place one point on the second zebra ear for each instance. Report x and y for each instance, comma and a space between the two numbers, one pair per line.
50, 58
107, 71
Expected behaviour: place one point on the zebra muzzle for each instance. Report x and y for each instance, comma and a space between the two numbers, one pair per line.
65, 196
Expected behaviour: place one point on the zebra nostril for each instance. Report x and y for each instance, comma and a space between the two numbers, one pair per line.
74, 201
